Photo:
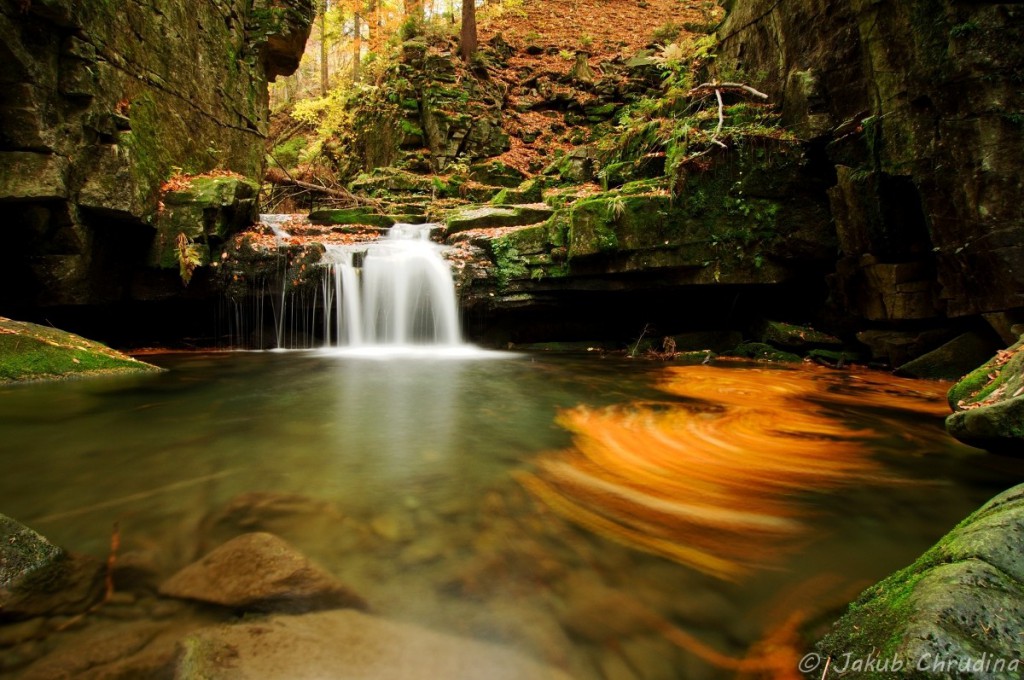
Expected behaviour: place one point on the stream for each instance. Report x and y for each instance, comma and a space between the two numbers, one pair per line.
483, 495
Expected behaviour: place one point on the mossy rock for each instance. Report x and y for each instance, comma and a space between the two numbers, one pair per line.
694, 358
788, 335
351, 216
614, 222
760, 351
831, 357
963, 599
32, 352
207, 211
387, 181
496, 173
24, 555
486, 217
988, 404
530, 191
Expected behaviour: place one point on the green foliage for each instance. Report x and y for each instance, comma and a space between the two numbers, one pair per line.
359, 126
667, 32
288, 153
964, 30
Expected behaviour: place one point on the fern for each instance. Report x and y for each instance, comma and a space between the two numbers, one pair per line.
189, 257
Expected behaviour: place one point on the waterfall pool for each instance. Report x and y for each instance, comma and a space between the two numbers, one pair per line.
614, 518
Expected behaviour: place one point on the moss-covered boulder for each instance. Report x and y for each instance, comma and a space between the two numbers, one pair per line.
962, 600
530, 191
385, 182
38, 577
206, 210
988, 404
496, 173
32, 352
487, 217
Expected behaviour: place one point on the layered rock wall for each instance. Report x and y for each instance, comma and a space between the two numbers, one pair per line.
100, 103
917, 105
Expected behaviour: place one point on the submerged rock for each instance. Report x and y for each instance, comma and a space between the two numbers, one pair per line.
952, 360
39, 578
347, 645
963, 599
32, 352
988, 404
260, 572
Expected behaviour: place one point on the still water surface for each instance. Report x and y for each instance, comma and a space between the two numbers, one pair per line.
516, 499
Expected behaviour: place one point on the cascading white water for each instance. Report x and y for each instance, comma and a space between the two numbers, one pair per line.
394, 292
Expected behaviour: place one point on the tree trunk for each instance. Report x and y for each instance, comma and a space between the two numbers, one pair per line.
357, 46
468, 38
373, 22
324, 71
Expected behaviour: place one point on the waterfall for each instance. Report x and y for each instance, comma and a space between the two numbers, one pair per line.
395, 292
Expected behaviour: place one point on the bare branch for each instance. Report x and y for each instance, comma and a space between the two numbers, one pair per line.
721, 113
715, 85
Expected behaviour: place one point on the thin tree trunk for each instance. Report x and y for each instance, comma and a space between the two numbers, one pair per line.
468, 29
357, 46
324, 70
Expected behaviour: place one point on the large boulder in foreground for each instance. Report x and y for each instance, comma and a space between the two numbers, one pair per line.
346, 645
962, 600
988, 404
32, 352
38, 578
260, 572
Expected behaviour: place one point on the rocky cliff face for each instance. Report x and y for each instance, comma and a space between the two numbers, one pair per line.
917, 105
100, 103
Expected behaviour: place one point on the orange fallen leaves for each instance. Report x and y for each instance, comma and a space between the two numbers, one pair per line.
715, 484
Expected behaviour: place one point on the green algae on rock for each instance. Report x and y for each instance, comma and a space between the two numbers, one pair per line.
32, 352
988, 403
963, 599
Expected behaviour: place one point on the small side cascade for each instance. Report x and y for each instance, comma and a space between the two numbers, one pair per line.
394, 292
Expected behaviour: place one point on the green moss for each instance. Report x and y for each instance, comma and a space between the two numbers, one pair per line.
351, 216
31, 352
509, 264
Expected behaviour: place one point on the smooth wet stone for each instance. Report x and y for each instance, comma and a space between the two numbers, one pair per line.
260, 572
347, 645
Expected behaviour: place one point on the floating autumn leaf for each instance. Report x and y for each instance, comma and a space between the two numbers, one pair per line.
716, 484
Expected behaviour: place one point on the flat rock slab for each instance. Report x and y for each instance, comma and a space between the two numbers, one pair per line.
260, 572
347, 645
488, 217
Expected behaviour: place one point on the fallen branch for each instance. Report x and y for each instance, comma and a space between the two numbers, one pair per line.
715, 85
343, 194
